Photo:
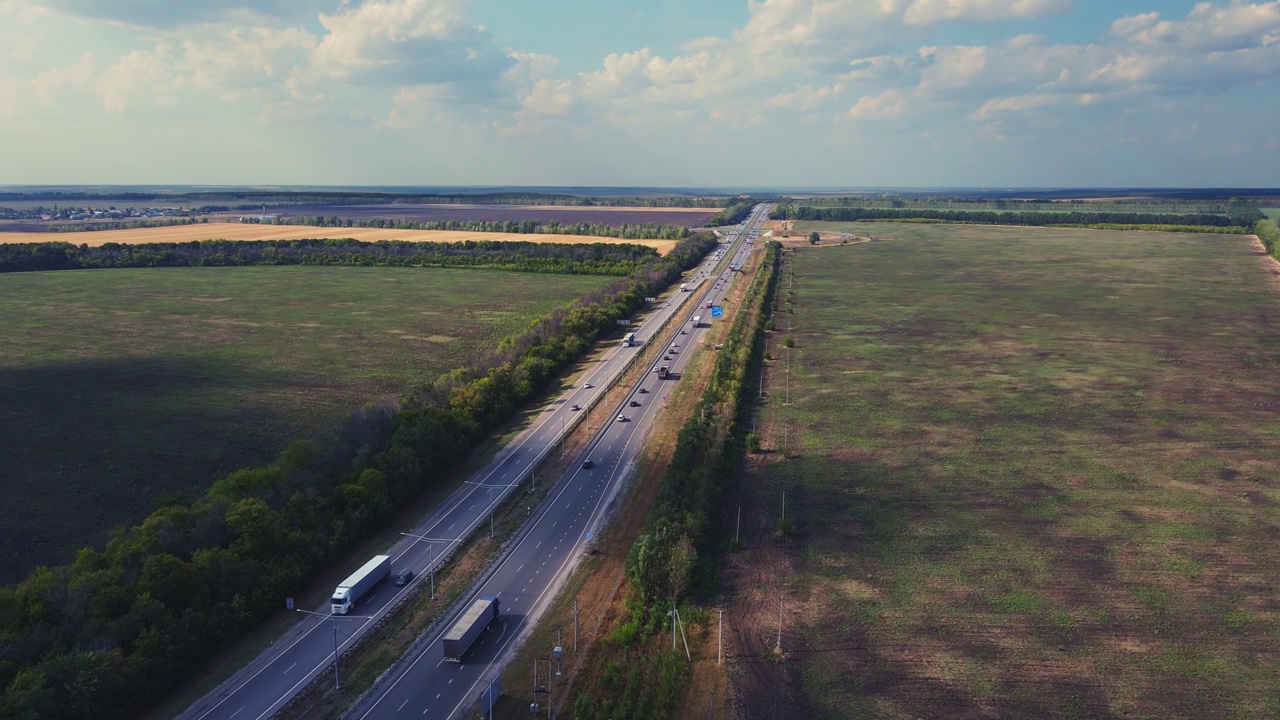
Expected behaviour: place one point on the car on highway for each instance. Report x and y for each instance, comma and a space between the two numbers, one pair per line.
588, 464
575, 408
587, 385
622, 418
635, 403
403, 578
644, 391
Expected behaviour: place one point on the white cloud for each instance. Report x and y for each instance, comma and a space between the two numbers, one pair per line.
888, 104
927, 12
1019, 42
549, 97
173, 13
951, 67
1181, 135
1237, 26
805, 98
408, 42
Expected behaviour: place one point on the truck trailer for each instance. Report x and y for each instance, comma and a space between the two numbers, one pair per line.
697, 321
360, 583
464, 633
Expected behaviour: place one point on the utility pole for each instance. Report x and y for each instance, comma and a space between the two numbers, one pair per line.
720, 642
737, 530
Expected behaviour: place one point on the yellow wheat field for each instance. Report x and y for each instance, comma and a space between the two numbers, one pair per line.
246, 231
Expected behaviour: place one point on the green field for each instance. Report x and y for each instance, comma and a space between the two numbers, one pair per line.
1035, 477
122, 388
1273, 213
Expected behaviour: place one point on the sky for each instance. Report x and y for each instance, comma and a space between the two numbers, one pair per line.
670, 93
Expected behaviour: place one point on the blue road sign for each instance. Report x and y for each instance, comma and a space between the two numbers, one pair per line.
717, 310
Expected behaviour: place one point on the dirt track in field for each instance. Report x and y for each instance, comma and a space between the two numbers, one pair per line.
248, 231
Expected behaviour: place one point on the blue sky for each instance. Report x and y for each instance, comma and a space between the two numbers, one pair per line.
663, 92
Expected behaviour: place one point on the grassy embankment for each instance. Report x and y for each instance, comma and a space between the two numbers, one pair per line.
1035, 476
123, 388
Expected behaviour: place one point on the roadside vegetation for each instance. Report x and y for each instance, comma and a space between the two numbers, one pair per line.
1028, 474
733, 214
108, 635
671, 563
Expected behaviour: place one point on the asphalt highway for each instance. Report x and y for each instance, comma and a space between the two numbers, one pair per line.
524, 578
527, 579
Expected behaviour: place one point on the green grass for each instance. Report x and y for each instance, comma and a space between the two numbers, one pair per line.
1049, 460
1273, 213
120, 389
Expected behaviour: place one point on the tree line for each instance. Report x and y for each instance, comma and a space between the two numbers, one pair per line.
1269, 233
629, 231
520, 256
672, 557
109, 634
733, 214
991, 217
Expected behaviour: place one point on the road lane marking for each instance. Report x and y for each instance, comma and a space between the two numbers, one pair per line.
286, 672
520, 568
237, 712
406, 702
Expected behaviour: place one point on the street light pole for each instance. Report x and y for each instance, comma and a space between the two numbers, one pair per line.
333, 619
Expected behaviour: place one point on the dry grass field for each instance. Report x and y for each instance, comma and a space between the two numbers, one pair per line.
1029, 473
248, 231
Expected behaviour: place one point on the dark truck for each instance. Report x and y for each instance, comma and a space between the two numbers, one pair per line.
464, 633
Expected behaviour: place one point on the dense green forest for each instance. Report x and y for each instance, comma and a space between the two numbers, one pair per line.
637, 231
733, 214
109, 634
578, 259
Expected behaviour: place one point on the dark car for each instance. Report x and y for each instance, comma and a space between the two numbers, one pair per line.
403, 578
635, 404
644, 391
588, 464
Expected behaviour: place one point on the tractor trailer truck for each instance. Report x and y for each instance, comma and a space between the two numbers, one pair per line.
464, 633
360, 583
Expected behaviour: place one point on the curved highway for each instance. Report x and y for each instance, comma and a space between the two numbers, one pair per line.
523, 579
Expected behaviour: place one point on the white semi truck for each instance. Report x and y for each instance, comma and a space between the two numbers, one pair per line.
360, 583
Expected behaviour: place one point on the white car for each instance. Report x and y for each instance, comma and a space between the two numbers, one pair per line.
622, 418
